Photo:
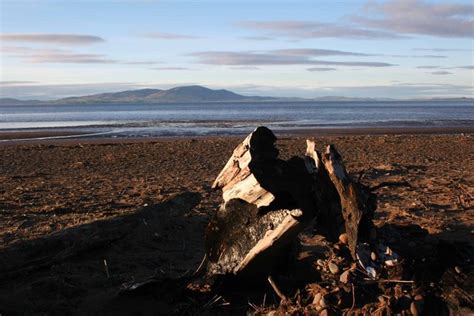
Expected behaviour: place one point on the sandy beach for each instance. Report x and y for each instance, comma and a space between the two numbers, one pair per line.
50, 187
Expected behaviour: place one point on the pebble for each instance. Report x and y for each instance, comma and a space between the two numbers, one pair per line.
373, 256
371, 271
320, 262
345, 277
333, 267
458, 269
343, 238
324, 312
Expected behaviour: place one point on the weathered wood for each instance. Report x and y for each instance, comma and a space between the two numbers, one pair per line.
355, 203
237, 235
238, 178
268, 201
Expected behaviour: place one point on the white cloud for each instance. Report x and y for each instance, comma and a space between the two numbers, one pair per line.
70, 39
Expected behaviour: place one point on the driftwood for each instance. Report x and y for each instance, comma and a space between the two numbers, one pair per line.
267, 202
357, 204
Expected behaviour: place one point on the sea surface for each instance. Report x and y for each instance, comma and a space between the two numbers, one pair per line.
142, 120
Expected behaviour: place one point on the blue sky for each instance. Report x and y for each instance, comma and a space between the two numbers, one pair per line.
396, 49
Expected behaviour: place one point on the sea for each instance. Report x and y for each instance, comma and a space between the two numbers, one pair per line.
208, 119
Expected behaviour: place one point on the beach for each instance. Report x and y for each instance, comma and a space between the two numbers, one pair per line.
57, 185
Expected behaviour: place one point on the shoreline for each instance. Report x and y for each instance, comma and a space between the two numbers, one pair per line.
75, 137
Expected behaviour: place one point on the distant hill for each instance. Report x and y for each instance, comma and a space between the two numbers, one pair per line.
11, 101
187, 94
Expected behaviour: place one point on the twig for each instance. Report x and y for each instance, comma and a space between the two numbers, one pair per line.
353, 297
397, 281
371, 281
213, 300
201, 264
106, 269
276, 289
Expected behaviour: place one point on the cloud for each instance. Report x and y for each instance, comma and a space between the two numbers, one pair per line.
169, 36
257, 38
41, 55
393, 19
321, 69
62, 56
295, 57
316, 52
420, 17
427, 67
70, 39
171, 68
246, 68
314, 29
443, 49
11, 83
141, 62
470, 67
441, 72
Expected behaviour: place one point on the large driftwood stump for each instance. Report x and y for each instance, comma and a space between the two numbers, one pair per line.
268, 201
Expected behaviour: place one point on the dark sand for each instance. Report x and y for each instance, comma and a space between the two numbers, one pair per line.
50, 187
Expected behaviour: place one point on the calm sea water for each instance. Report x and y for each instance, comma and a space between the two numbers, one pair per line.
130, 120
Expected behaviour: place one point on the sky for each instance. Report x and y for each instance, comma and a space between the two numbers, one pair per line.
386, 49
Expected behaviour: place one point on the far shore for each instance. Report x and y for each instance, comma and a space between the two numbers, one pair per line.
60, 137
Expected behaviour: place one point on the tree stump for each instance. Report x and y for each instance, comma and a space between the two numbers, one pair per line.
267, 202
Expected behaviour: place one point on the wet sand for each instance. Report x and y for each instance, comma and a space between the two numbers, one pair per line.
51, 186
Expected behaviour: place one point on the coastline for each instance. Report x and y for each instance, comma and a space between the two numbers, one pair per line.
58, 137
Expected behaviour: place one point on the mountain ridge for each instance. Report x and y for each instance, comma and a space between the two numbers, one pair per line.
191, 94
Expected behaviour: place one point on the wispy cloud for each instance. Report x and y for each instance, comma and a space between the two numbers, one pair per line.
428, 67
63, 56
469, 67
70, 39
315, 29
420, 17
171, 68
443, 49
321, 69
245, 68
141, 62
393, 19
441, 72
169, 36
316, 52
257, 38
10, 83
278, 57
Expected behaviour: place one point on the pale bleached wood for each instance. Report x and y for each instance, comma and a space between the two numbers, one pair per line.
237, 179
